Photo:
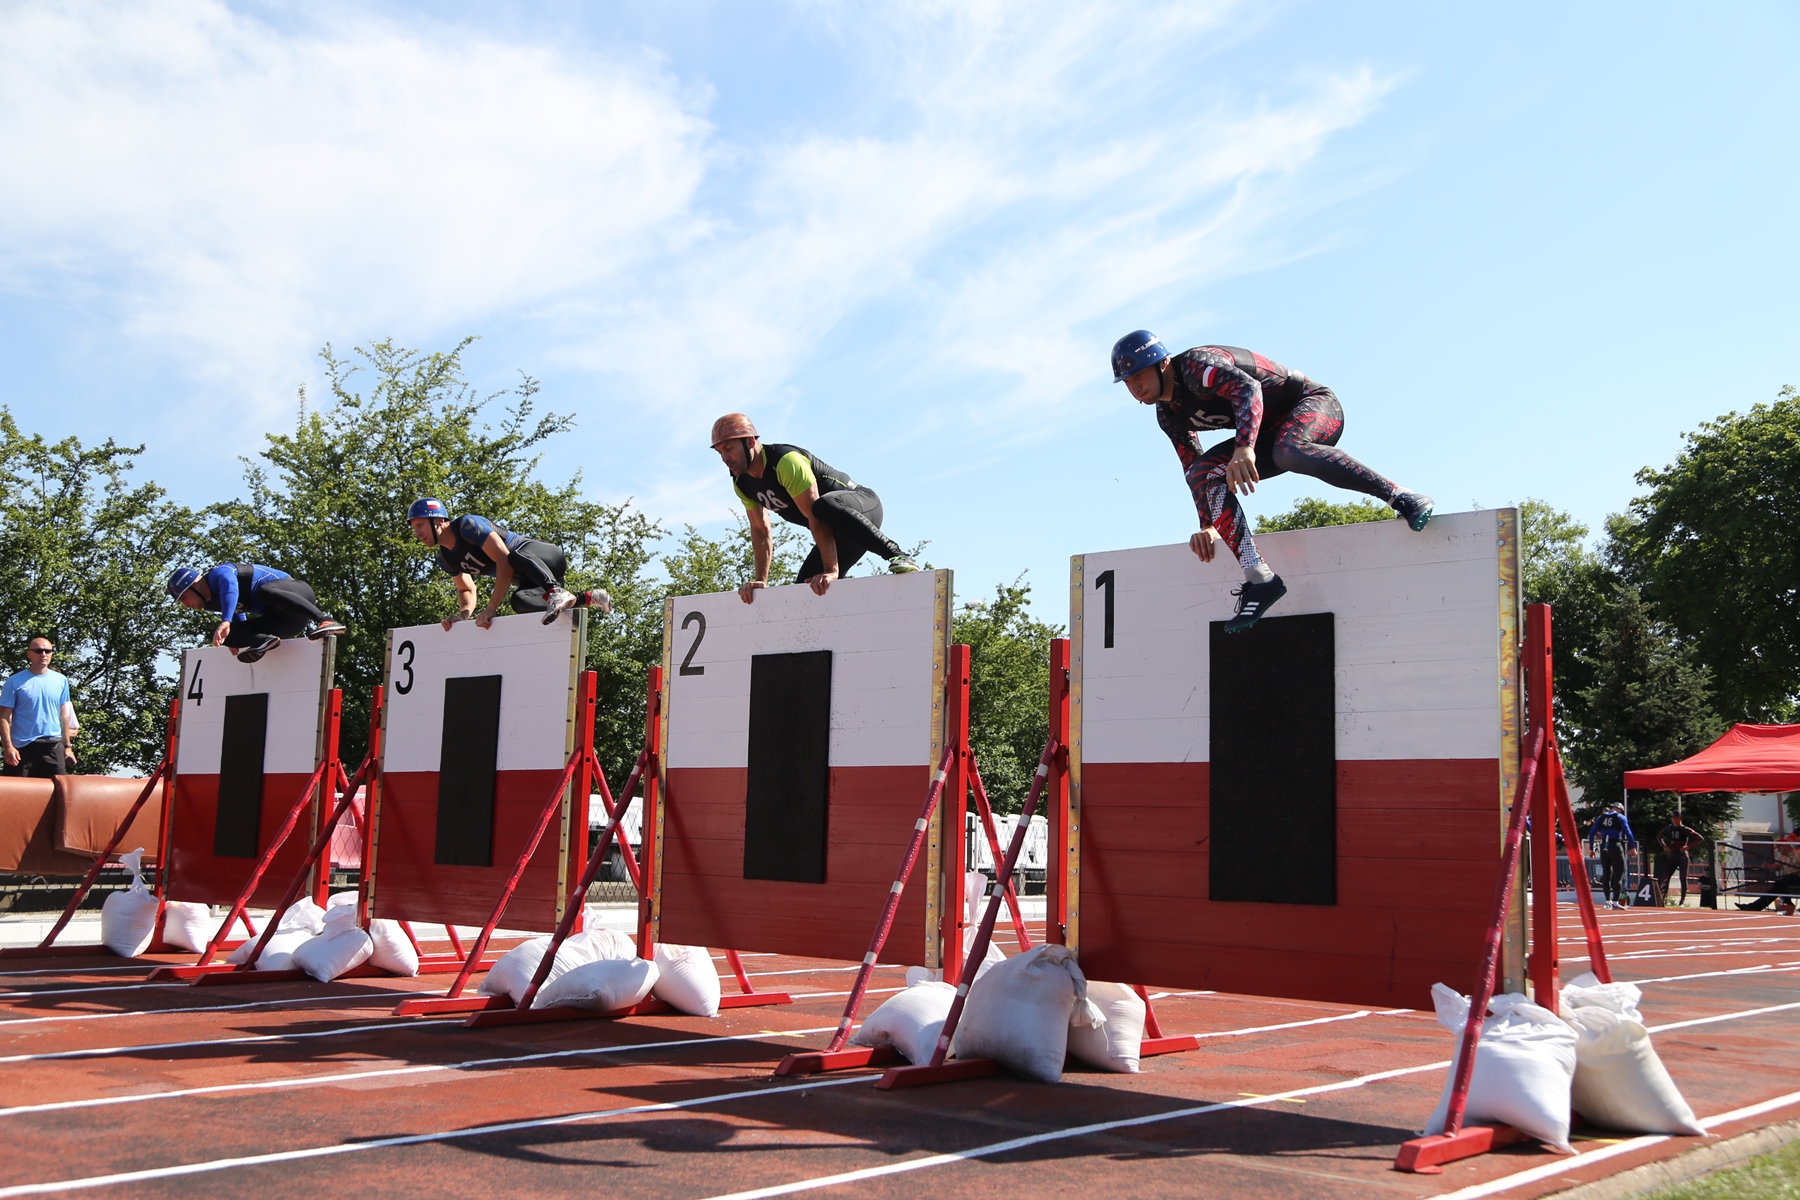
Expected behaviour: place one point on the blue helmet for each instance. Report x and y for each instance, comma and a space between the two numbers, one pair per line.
1136, 350
180, 580
424, 506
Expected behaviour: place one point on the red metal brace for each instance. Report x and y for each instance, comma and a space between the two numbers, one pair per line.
938, 1071
835, 1057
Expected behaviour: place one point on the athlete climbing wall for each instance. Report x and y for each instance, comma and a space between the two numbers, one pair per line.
249, 739
802, 731
1311, 808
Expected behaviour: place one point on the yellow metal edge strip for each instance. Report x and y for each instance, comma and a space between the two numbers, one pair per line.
940, 737
571, 739
1512, 704
1072, 829
372, 811
327, 787
661, 766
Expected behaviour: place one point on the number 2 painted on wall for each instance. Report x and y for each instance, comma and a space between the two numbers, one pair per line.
687, 659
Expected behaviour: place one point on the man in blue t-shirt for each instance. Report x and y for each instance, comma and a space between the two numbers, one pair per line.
37, 720
258, 606
468, 546
1611, 833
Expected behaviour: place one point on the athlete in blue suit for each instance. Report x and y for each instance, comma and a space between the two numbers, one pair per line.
1611, 832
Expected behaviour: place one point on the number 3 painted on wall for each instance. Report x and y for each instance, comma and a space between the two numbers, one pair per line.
409, 652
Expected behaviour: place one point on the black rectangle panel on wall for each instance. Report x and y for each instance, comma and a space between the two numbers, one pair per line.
789, 776
241, 743
467, 759
1273, 758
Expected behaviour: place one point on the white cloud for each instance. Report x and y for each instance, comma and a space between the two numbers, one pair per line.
239, 189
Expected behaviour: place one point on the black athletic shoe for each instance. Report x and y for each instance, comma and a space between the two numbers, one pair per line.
264, 644
1254, 600
324, 629
1414, 508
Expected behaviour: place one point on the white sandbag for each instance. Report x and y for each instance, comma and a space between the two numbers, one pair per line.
128, 918
329, 954
188, 924
278, 954
605, 985
1018, 1012
512, 974
339, 899
1118, 1044
302, 914
911, 1021
601, 945
390, 949
974, 897
686, 980
1586, 991
1620, 1083
1524, 1067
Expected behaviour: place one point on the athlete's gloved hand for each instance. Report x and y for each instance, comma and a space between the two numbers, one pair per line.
821, 582
219, 634
1240, 473
747, 593
453, 618
1202, 543
486, 619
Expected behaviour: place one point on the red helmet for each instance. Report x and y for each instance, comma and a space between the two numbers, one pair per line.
732, 425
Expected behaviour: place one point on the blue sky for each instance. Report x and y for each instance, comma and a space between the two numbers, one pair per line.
1528, 245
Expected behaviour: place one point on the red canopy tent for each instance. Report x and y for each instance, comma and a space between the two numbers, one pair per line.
1749, 758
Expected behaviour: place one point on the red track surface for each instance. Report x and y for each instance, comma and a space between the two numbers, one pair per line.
303, 1090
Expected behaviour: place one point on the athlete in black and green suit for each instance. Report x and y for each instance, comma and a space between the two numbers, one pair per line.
845, 518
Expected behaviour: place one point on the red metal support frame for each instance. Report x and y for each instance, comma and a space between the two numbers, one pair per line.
1538, 691
334, 716
649, 844
834, 1056
969, 1068
953, 840
1584, 892
985, 814
1056, 873
371, 791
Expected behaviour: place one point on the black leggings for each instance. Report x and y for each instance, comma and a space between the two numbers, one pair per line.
1675, 861
288, 607
1612, 867
854, 516
1303, 441
538, 567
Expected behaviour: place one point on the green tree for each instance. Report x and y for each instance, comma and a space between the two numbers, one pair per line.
1650, 705
327, 503
86, 551
1009, 689
1713, 545
1312, 513
1557, 568
700, 565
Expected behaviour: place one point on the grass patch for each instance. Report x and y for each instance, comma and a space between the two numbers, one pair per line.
1771, 1176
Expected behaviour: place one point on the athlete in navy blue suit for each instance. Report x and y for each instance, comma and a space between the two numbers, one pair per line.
1611, 832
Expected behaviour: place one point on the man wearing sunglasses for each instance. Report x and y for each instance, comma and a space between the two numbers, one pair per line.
37, 719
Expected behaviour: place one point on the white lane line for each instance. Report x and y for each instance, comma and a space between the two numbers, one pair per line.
1562, 1165
1036, 1139
389, 1072
1108, 1126
255, 1160
1759, 969
79, 991
107, 1051
344, 1000
1754, 1012
96, 1181
80, 970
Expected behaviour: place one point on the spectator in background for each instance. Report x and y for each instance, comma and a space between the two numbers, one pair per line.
1676, 841
37, 719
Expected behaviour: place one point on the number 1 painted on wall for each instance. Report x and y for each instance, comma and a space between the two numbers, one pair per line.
1105, 580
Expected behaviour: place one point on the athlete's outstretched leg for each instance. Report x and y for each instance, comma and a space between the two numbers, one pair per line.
1306, 444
